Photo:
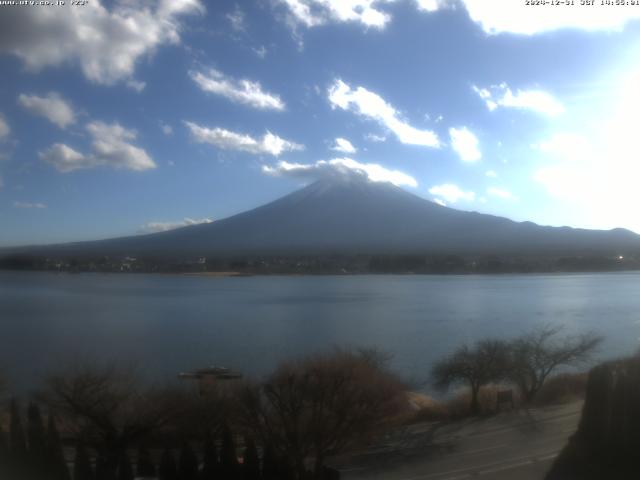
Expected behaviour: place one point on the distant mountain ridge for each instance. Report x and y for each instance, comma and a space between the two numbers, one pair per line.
357, 216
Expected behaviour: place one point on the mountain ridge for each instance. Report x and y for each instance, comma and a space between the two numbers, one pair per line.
355, 216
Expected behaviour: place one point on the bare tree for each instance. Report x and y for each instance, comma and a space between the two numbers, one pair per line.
484, 362
536, 355
310, 409
108, 407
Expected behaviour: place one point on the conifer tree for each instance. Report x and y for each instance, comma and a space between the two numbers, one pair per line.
125, 471
18, 457
36, 441
57, 464
167, 469
82, 469
251, 461
210, 464
188, 463
270, 469
145, 466
104, 468
17, 441
228, 458
4, 455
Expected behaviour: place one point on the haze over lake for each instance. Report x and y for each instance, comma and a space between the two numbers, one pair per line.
171, 323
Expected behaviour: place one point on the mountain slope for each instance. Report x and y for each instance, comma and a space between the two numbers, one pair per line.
357, 216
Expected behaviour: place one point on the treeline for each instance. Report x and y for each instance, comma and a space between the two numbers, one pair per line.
329, 264
114, 427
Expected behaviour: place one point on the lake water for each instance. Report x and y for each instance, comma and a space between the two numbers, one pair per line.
171, 323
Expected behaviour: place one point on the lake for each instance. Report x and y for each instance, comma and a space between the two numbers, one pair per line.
166, 324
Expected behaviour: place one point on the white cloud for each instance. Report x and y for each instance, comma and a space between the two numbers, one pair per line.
341, 167
136, 85
430, 5
344, 146
500, 16
368, 104
535, 100
451, 193
5, 130
166, 128
110, 148
375, 138
465, 144
105, 43
18, 204
500, 193
240, 91
236, 20
312, 13
66, 159
260, 51
52, 107
269, 143
154, 227
491, 174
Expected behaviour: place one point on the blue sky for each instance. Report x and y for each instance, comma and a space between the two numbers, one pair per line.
128, 117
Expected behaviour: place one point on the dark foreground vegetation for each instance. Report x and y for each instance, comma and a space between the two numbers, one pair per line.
607, 442
96, 422
328, 264
108, 426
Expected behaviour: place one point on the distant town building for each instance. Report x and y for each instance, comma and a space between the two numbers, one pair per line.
209, 377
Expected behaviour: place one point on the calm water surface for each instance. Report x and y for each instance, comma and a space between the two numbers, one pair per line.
166, 324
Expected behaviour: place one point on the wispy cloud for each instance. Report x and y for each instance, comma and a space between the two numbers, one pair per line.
269, 144
240, 91
28, 205
341, 167
236, 19
154, 227
369, 104
312, 13
536, 100
500, 193
5, 130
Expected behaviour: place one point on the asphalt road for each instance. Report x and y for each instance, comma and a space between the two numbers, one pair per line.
517, 445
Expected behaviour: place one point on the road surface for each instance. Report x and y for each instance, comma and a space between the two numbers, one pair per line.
517, 445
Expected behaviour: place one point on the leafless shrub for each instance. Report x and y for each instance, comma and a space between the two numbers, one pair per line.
319, 406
